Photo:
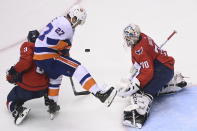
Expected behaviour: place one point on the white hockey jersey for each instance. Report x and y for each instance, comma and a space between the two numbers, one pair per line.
56, 36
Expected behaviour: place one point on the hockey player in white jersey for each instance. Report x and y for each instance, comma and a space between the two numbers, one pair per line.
52, 54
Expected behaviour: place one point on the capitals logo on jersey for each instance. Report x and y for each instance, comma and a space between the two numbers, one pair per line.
139, 52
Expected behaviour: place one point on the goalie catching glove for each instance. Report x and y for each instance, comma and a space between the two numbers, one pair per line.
131, 88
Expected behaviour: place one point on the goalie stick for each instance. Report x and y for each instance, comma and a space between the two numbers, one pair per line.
169, 37
76, 93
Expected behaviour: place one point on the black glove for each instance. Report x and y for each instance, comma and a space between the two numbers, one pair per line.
64, 52
13, 76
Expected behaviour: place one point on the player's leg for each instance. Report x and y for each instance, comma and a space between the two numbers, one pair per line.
53, 93
54, 70
69, 67
89, 84
15, 100
175, 85
15, 105
72, 68
162, 75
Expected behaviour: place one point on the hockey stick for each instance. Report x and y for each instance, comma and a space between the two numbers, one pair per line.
76, 93
169, 37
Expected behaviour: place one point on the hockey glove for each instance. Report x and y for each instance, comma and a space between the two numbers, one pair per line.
13, 76
64, 52
132, 88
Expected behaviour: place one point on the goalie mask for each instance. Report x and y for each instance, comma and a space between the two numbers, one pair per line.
77, 15
131, 34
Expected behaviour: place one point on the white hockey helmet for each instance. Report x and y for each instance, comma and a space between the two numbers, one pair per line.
79, 13
131, 34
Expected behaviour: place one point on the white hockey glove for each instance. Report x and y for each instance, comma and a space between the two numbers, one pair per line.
130, 89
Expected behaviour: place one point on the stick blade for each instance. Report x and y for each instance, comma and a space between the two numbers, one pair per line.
82, 93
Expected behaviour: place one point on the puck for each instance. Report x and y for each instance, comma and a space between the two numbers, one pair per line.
87, 50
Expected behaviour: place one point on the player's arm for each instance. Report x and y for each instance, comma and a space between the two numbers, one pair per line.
141, 77
62, 44
63, 47
146, 69
14, 74
66, 49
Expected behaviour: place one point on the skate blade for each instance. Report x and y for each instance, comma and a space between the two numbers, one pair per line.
21, 118
110, 99
128, 123
52, 116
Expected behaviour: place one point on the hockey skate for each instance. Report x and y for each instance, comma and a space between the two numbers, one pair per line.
106, 97
175, 85
19, 114
136, 114
53, 109
46, 100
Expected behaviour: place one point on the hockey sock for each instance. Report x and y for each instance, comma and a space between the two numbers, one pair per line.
54, 85
85, 79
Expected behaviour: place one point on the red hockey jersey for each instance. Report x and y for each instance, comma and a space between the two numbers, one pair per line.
31, 80
144, 54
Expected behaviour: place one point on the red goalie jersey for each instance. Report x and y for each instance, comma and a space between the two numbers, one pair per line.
31, 80
144, 53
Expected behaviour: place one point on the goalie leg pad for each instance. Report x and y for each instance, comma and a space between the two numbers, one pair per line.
175, 85
141, 102
136, 114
